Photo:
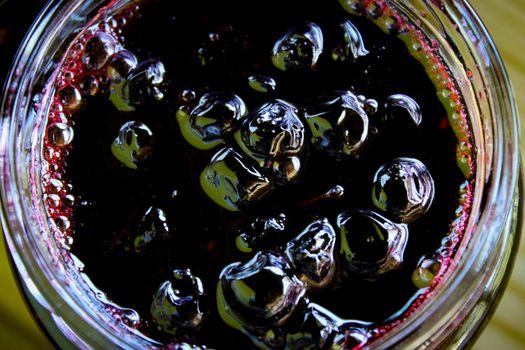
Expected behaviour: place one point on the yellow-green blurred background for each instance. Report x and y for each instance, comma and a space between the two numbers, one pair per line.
505, 20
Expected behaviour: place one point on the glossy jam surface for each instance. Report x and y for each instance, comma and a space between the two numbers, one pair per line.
234, 175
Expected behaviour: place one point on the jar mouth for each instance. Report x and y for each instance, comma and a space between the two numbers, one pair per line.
51, 273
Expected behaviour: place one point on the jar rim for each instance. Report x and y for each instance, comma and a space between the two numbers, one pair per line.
501, 182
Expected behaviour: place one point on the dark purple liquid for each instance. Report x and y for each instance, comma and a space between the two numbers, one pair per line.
235, 42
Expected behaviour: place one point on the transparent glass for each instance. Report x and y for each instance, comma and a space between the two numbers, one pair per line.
61, 295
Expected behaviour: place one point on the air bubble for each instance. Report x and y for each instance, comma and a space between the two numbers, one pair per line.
393, 24
349, 337
231, 181
151, 70
338, 123
445, 252
317, 327
285, 170
260, 292
353, 46
49, 153
121, 65
129, 317
78, 47
59, 117
374, 9
261, 232
213, 36
261, 83
99, 48
321, 329
272, 130
370, 243
299, 48
371, 106
70, 97
53, 200
112, 22
242, 242
133, 144
62, 223
216, 115
142, 84
55, 186
56, 107
122, 21
408, 104
68, 76
152, 226
188, 95
403, 188
60, 134
426, 271
178, 303
312, 253
69, 200
89, 85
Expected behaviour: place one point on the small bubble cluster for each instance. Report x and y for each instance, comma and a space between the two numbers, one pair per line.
274, 133
272, 139
307, 263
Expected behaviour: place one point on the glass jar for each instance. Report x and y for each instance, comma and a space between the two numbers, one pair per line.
66, 304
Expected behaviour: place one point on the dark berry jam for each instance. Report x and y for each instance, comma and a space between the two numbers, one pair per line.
274, 175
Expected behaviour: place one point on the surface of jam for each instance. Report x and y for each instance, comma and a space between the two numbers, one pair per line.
258, 174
